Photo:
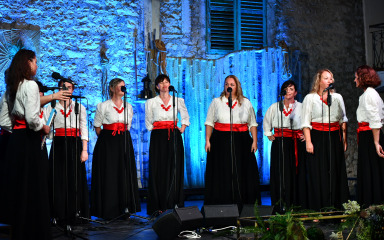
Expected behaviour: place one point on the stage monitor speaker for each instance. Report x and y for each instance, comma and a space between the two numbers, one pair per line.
172, 222
190, 217
220, 215
167, 226
248, 210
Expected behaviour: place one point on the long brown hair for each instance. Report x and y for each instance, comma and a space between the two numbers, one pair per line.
239, 91
317, 78
18, 71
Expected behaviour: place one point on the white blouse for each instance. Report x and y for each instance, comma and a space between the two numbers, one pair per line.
219, 112
272, 118
27, 104
107, 114
371, 108
71, 119
154, 112
314, 110
5, 118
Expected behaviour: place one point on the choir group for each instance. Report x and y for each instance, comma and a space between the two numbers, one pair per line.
307, 165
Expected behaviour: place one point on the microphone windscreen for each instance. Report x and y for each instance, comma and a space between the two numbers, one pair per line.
229, 89
56, 75
171, 88
123, 89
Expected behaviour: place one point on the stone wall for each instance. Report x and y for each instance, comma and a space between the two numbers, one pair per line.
74, 36
331, 34
86, 40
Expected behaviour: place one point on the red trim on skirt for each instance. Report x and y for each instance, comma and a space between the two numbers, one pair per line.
116, 127
363, 126
71, 132
325, 126
295, 134
20, 124
164, 125
226, 127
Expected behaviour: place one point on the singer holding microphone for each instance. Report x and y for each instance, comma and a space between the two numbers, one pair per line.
68, 191
166, 174
26, 194
325, 136
114, 177
370, 115
231, 177
288, 149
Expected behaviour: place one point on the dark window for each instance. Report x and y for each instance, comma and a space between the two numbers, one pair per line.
234, 25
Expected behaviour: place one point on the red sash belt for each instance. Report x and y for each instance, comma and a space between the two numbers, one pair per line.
226, 127
4, 132
295, 134
71, 132
325, 126
164, 125
116, 127
20, 124
363, 126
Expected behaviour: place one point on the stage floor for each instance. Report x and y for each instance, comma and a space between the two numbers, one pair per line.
136, 228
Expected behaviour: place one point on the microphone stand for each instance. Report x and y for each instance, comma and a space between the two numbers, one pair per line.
174, 145
173, 182
231, 142
329, 103
281, 157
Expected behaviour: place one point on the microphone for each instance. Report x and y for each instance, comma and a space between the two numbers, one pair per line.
123, 89
74, 96
281, 105
172, 88
283, 92
229, 89
57, 76
331, 86
46, 89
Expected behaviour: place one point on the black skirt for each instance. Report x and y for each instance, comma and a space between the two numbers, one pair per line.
68, 190
4, 139
225, 184
285, 186
166, 176
370, 171
327, 180
27, 198
114, 178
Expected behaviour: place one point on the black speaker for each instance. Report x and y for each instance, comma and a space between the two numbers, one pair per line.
248, 210
220, 215
190, 217
167, 225
172, 222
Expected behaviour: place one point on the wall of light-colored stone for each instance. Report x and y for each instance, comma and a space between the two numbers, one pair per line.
73, 34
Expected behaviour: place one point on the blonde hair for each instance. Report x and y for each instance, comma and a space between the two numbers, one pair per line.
239, 91
317, 79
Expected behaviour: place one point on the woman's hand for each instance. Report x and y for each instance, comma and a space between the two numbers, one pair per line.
254, 146
46, 129
379, 150
182, 129
301, 137
345, 143
61, 95
207, 146
271, 138
309, 147
84, 156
